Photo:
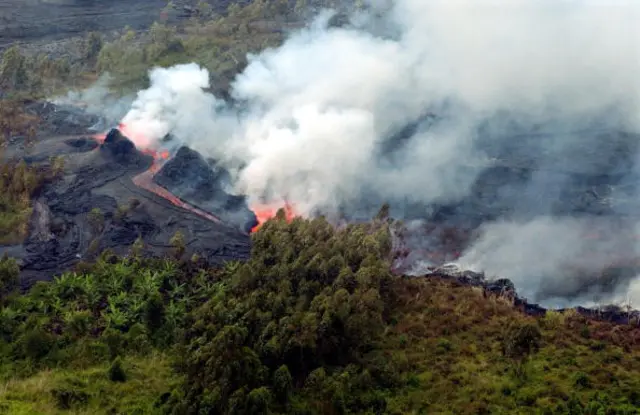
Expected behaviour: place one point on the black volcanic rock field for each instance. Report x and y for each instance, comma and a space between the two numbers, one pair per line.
56, 19
114, 177
100, 176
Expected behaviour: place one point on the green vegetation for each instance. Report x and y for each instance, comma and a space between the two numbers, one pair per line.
313, 323
219, 42
18, 182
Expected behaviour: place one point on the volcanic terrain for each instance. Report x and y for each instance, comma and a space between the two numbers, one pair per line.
111, 174
153, 193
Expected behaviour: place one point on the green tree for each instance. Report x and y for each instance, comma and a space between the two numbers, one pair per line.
204, 9
383, 213
91, 48
282, 384
137, 247
57, 165
178, 244
96, 220
9, 274
13, 70
521, 340
116, 371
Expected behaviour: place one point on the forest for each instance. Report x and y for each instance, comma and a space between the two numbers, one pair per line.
313, 323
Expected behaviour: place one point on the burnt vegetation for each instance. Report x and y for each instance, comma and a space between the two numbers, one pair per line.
312, 323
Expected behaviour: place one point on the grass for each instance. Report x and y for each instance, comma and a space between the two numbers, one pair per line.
446, 340
90, 390
452, 339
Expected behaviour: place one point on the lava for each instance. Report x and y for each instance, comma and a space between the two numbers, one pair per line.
139, 139
99, 138
265, 212
144, 180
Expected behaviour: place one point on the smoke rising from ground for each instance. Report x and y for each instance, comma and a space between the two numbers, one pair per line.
99, 101
321, 121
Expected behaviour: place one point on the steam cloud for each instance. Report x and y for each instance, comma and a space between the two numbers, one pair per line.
321, 121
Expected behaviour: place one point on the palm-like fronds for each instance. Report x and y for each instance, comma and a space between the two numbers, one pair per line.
148, 283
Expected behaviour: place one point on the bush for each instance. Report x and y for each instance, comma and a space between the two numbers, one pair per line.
96, 220
9, 273
521, 340
553, 320
67, 398
282, 383
115, 341
116, 372
36, 344
581, 379
78, 323
70, 393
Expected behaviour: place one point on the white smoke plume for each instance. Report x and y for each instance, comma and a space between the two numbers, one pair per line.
100, 101
558, 261
312, 119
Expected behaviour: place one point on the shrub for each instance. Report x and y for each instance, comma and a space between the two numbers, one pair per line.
116, 372
36, 344
78, 323
178, 244
581, 379
521, 340
553, 320
96, 220
282, 383
68, 397
9, 272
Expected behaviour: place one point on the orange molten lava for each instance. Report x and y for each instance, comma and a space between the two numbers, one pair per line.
157, 155
137, 137
145, 180
265, 212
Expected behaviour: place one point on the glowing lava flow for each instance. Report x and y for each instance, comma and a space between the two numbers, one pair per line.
264, 213
144, 180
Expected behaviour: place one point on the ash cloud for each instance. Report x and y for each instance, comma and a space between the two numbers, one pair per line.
537, 88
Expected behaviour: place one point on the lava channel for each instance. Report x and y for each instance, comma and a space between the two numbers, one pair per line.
144, 180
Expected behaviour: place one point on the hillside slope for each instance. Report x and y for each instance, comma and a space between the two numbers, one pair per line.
313, 323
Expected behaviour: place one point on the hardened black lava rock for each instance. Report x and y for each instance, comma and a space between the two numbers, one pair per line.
203, 184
